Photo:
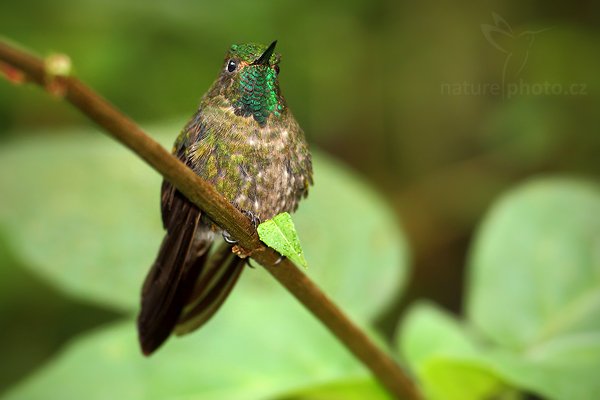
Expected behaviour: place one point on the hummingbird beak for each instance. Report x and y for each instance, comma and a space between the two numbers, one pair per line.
264, 58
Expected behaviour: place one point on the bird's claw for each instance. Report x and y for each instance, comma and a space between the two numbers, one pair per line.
238, 250
250, 264
253, 218
279, 260
228, 239
255, 222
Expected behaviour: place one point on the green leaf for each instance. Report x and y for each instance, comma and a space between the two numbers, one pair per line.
83, 213
35, 319
534, 287
258, 352
280, 234
534, 274
447, 362
566, 368
355, 389
458, 379
428, 331
533, 299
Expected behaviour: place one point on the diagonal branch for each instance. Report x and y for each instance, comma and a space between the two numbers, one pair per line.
221, 212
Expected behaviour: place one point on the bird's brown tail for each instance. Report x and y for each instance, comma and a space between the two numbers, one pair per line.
185, 286
212, 288
171, 278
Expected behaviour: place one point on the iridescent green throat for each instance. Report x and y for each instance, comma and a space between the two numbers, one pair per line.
259, 95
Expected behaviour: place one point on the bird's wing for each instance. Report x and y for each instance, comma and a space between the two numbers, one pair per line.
212, 288
182, 285
180, 260
171, 279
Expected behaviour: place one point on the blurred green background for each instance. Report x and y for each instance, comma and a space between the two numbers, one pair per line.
395, 90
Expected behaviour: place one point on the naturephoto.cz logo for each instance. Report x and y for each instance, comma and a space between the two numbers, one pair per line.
516, 47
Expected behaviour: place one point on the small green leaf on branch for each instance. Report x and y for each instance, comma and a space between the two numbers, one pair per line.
280, 234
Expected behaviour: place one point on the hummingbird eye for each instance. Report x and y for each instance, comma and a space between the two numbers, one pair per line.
231, 65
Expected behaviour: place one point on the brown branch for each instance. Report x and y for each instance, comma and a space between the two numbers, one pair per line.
223, 213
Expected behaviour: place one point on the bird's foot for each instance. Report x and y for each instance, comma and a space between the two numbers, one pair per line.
228, 239
240, 251
252, 217
249, 263
279, 260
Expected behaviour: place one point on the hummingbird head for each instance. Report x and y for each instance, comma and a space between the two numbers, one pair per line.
248, 81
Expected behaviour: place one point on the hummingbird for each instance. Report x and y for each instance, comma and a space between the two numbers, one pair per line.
244, 140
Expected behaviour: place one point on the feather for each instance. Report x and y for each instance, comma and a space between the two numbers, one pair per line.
171, 278
212, 288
